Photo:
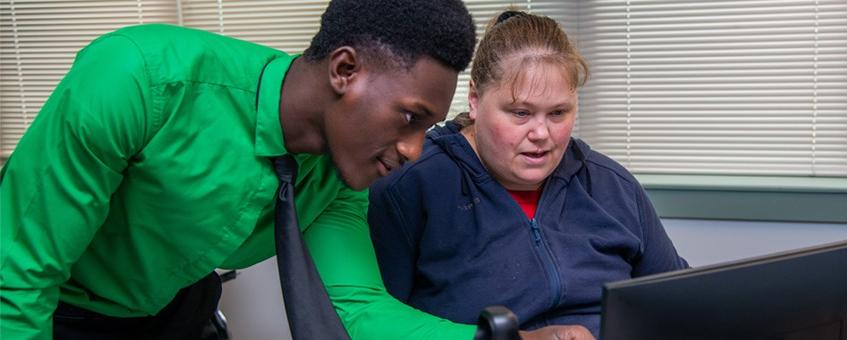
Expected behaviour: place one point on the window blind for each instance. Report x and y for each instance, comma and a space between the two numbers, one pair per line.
698, 87
286, 25
38, 42
717, 87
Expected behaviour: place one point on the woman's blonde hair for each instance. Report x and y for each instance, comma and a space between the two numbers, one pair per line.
528, 38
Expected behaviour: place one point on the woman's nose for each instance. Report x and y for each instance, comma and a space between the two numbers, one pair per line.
540, 130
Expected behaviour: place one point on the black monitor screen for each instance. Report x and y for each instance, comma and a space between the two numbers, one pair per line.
793, 295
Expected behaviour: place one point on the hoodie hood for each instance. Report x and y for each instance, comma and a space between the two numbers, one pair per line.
454, 144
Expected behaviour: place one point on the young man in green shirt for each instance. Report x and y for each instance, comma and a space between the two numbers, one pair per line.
151, 165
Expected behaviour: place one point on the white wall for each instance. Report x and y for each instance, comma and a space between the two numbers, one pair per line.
253, 302
703, 242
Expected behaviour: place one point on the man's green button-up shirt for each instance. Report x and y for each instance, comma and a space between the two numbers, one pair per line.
149, 166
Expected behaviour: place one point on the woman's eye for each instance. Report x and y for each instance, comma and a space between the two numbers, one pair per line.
521, 113
558, 113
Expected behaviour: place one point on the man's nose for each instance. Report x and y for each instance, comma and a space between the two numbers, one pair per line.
410, 147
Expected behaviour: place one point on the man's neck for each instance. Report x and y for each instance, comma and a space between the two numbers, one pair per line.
305, 93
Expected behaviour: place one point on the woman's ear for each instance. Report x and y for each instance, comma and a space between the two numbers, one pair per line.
344, 65
473, 100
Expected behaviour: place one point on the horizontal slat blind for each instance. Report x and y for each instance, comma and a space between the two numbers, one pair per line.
712, 87
830, 105
38, 42
717, 87
285, 25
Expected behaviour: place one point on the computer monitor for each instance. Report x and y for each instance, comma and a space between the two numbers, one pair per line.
793, 295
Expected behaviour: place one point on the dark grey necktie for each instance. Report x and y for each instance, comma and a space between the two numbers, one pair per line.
310, 312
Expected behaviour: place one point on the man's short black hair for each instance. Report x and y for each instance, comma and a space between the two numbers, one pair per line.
409, 29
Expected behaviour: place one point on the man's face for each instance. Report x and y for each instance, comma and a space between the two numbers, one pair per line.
380, 121
522, 129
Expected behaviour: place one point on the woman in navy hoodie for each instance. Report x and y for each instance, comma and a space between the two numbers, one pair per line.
505, 207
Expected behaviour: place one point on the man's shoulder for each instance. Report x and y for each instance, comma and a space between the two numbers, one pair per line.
179, 54
164, 38
157, 29
163, 33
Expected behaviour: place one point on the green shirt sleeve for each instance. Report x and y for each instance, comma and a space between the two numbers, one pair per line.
340, 244
56, 186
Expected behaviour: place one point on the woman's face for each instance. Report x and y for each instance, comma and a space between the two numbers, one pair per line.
522, 128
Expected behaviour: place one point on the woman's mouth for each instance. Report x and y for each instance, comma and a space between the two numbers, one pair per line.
535, 158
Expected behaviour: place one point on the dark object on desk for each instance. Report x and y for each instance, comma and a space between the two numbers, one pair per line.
497, 323
228, 275
794, 295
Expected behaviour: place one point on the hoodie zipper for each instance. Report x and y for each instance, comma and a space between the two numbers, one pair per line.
547, 259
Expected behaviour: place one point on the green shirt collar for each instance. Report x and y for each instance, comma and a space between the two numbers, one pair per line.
269, 138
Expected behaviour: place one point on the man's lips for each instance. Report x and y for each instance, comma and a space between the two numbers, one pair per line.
384, 166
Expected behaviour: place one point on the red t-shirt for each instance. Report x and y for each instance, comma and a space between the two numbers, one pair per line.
528, 200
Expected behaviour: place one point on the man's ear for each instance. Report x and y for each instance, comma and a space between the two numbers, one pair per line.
344, 65
473, 99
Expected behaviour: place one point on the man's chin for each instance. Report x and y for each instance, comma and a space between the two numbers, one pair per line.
357, 187
357, 184
352, 178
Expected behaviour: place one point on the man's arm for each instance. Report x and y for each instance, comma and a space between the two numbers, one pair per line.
340, 244
55, 188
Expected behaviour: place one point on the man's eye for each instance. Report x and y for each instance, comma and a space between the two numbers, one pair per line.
410, 117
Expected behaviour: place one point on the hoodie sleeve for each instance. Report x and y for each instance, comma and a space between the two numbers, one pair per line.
658, 254
394, 244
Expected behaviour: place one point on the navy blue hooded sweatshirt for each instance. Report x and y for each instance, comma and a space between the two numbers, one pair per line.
451, 240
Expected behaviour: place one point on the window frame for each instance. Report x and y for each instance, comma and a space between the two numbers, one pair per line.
759, 198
